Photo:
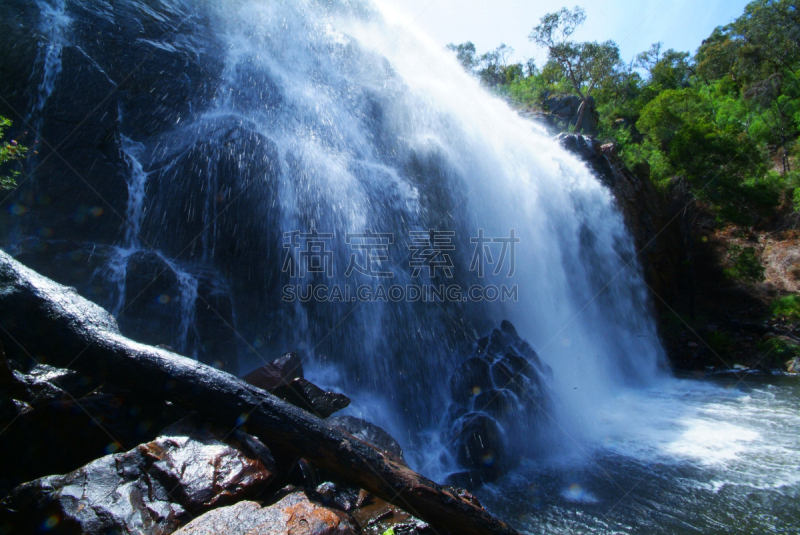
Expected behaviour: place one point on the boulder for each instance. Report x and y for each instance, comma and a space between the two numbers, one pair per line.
481, 445
499, 395
375, 516
309, 397
370, 434
279, 372
284, 378
154, 488
471, 378
295, 514
793, 366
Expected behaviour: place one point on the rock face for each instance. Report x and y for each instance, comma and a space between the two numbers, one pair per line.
284, 378
153, 488
293, 515
647, 213
499, 394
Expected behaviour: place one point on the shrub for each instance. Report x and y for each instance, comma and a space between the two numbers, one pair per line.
10, 151
787, 307
745, 264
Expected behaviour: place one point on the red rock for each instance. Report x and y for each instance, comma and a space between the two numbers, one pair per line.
293, 515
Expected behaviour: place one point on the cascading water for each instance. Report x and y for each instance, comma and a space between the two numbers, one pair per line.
116, 270
54, 25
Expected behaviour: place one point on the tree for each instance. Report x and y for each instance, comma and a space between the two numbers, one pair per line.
495, 69
759, 52
10, 151
466, 54
721, 163
586, 65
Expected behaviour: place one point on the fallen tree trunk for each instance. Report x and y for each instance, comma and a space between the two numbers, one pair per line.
53, 324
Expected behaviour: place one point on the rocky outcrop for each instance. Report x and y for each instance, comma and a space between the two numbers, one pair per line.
499, 397
153, 488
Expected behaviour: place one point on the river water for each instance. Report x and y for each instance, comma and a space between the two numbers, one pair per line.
710, 455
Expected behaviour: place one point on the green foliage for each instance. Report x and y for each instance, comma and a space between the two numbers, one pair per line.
720, 342
10, 151
389, 531
745, 265
776, 351
787, 307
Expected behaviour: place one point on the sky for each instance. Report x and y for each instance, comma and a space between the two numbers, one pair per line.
633, 24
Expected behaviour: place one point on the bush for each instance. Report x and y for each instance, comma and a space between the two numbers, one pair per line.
10, 151
787, 307
745, 264
720, 342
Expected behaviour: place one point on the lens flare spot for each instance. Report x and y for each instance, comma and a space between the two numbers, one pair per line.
164, 299
18, 209
50, 523
96, 211
576, 493
476, 391
45, 232
487, 460
113, 447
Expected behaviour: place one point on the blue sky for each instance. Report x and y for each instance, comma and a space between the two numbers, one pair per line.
633, 24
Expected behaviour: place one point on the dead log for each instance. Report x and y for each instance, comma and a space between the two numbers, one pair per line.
51, 323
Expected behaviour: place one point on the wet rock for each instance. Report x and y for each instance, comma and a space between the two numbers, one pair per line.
284, 378
376, 517
279, 372
499, 404
308, 396
370, 434
481, 445
153, 488
499, 399
293, 515
793, 366
472, 378
46, 405
339, 496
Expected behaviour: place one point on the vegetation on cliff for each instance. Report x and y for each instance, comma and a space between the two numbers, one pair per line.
10, 151
726, 119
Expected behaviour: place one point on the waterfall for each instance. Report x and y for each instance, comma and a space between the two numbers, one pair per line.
369, 132
327, 145
54, 25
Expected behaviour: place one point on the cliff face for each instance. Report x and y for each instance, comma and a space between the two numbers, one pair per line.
655, 220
